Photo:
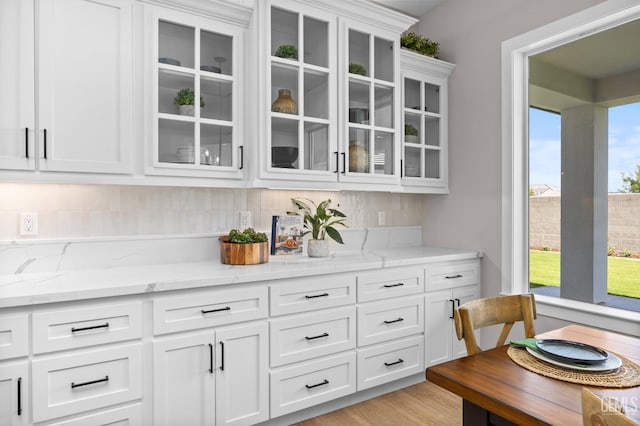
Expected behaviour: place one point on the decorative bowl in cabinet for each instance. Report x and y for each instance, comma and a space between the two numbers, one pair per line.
284, 156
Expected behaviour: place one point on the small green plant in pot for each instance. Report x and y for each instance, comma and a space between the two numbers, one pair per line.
410, 133
185, 101
357, 69
320, 220
288, 51
246, 247
419, 44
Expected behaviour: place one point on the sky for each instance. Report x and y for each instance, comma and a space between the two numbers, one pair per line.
624, 145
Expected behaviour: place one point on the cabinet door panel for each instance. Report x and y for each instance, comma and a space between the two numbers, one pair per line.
461, 296
438, 326
14, 395
184, 381
85, 85
242, 387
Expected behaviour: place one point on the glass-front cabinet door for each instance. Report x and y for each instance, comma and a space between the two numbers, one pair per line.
301, 92
371, 115
424, 156
197, 79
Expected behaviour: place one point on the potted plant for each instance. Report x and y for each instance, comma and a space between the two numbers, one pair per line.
410, 133
246, 247
357, 69
288, 51
419, 44
320, 220
185, 100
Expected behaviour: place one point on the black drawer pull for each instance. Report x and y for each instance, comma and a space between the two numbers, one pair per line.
399, 361
395, 320
45, 144
393, 285
92, 382
453, 308
317, 337
26, 142
317, 295
93, 327
226, 308
322, 383
19, 396
450, 277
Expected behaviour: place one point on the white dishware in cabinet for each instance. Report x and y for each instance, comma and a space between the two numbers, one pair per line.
390, 361
14, 336
82, 381
14, 389
381, 321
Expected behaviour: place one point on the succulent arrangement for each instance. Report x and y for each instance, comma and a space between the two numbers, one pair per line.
410, 130
320, 220
419, 44
287, 51
357, 69
187, 97
248, 236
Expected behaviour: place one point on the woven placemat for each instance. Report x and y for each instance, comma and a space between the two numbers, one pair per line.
628, 375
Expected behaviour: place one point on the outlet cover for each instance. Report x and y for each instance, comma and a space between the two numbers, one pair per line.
381, 218
245, 220
28, 223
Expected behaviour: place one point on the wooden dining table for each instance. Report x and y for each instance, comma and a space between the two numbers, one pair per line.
496, 390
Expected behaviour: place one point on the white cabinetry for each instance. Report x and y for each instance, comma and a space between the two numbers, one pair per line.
14, 393
448, 286
195, 76
425, 123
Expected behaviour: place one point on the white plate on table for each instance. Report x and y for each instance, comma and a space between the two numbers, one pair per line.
611, 363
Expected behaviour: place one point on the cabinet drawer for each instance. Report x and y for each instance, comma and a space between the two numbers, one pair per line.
91, 325
14, 336
210, 308
386, 283
300, 337
312, 383
390, 361
305, 294
125, 416
381, 321
440, 276
84, 381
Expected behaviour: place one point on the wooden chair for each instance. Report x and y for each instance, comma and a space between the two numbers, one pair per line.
494, 310
603, 412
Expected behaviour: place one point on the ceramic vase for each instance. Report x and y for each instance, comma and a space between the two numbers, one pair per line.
285, 103
318, 248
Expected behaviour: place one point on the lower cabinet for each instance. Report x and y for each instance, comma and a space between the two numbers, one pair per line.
386, 362
213, 377
14, 393
124, 416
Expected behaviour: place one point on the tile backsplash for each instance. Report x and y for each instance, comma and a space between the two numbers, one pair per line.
79, 211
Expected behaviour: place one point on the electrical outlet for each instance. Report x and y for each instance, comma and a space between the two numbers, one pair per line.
245, 219
28, 223
381, 218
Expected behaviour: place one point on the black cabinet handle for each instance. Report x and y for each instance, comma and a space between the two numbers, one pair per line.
395, 320
93, 327
450, 277
453, 307
324, 382
399, 361
45, 144
26, 142
226, 308
344, 163
19, 396
337, 154
222, 356
393, 285
401, 169
210, 358
317, 337
317, 295
458, 302
92, 382
241, 147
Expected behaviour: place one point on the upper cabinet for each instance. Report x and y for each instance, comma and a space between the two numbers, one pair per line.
83, 69
194, 88
328, 75
424, 87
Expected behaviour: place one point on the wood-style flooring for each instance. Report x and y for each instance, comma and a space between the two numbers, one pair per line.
421, 404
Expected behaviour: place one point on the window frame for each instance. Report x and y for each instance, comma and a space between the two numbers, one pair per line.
515, 159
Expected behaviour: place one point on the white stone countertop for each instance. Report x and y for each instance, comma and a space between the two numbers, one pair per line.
30, 288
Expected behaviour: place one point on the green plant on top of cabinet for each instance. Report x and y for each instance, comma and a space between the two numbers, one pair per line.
425, 146
195, 57
83, 52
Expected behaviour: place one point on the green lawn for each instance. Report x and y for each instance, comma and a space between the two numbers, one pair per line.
623, 275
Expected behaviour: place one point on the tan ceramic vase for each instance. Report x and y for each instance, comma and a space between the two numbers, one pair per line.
285, 104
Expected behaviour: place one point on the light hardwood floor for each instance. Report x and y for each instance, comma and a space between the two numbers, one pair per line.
421, 404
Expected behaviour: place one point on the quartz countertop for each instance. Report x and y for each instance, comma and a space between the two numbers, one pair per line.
30, 288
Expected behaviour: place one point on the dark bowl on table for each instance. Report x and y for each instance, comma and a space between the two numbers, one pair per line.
284, 156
